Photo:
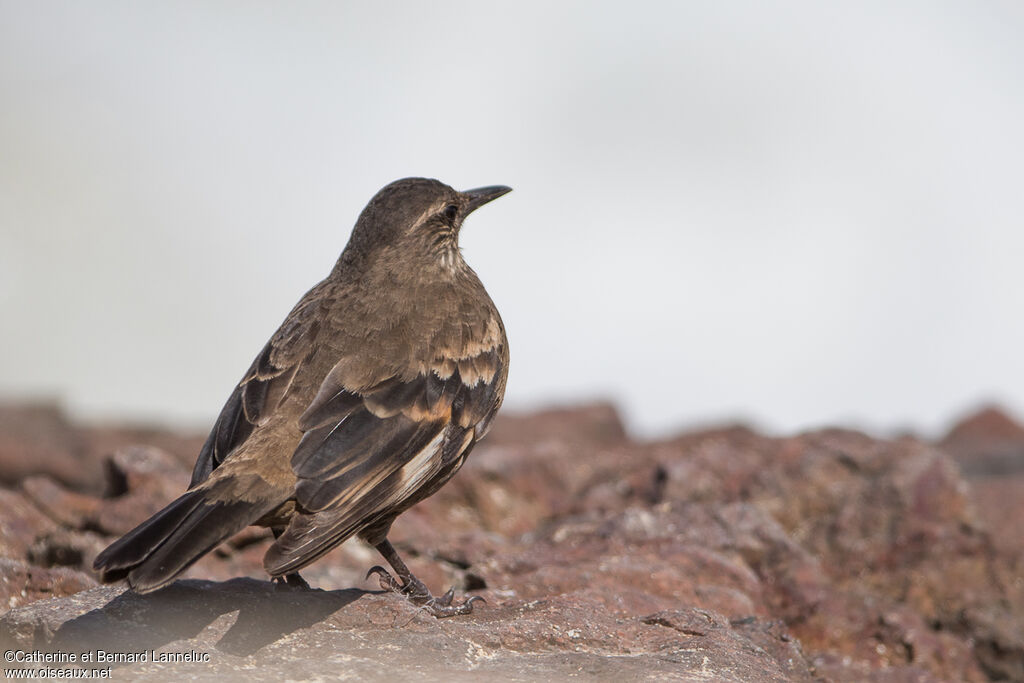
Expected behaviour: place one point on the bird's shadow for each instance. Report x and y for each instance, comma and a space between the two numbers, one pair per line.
266, 613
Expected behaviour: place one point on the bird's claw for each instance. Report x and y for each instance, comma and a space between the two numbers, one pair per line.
441, 610
446, 599
387, 582
418, 594
377, 569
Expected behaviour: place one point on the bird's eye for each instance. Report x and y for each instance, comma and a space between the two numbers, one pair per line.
451, 212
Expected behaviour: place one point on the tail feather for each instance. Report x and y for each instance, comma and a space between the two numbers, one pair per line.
154, 553
120, 557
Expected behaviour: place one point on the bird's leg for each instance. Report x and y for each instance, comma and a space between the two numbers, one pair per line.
293, 579
414, 589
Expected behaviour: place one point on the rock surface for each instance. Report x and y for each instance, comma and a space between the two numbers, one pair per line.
717, 555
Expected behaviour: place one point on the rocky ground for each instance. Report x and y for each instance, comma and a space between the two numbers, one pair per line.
717, 555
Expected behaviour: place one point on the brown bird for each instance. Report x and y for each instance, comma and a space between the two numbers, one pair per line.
365, 401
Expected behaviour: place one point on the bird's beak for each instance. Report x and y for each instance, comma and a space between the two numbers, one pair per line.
482, 195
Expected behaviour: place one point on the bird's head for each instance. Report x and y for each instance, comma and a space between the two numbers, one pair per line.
417, 218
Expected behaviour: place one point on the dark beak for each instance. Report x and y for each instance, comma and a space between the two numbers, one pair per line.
482, 195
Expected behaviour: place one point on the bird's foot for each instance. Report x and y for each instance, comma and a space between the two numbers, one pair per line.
418, 594
292, 580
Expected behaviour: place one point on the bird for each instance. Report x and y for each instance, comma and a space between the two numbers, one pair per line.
366, 400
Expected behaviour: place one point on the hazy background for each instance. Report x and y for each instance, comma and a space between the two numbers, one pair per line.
796, 213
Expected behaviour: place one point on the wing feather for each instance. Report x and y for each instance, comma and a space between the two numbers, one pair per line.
369, 453
262, 388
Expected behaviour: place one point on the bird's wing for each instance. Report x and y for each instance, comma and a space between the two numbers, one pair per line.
367, 452
262, 388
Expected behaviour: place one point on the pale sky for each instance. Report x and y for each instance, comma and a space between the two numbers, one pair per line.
794, 213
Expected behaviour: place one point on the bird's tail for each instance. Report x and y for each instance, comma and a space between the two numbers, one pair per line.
154, 553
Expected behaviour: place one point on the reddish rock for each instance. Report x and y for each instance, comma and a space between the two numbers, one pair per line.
989, 448
303, 635
22, 583
990, 423
140, 481
102, 441
718, 554
21, 523
999, 502
38, 439
594, 423
70, 509
66, 548
988, 442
